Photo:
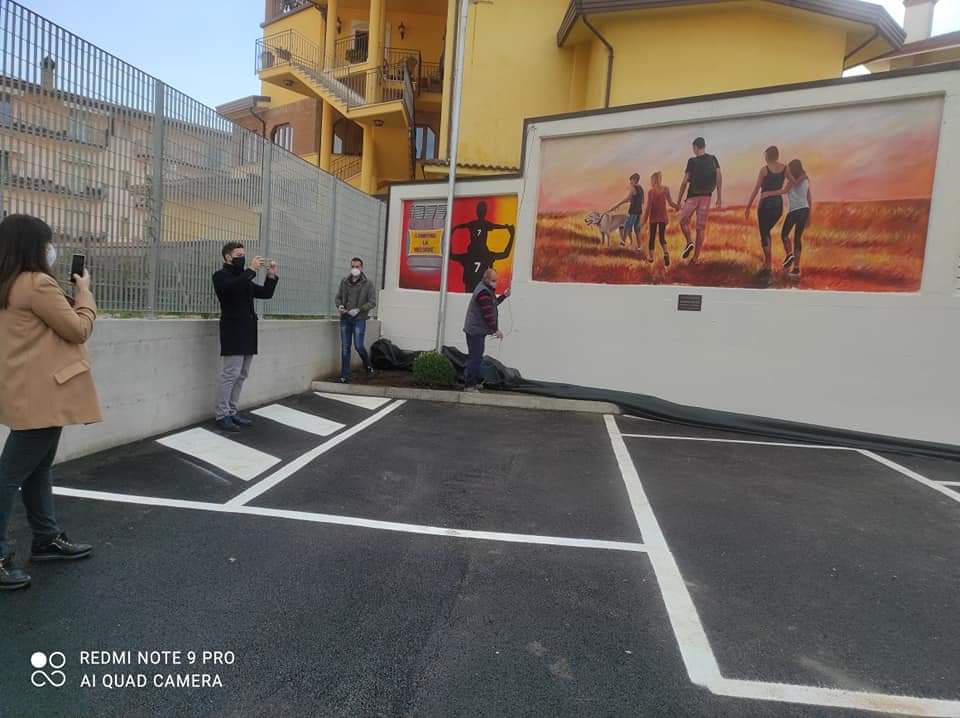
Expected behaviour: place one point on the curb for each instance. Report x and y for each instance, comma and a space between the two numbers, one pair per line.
499, 399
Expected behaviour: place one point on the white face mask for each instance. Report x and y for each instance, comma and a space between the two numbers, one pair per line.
51, 255
354, 272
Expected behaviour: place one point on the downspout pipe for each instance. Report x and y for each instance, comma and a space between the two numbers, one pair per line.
586, 21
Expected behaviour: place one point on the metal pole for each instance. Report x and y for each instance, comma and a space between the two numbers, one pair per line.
266, 211
156, 198
454, 146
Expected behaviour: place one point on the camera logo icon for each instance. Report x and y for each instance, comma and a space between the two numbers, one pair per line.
54, 676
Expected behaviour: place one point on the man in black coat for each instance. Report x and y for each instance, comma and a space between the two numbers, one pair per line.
236, 290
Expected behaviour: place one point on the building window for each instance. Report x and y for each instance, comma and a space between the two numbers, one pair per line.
426, 142
283, 136
5, 166
249, 147
6, 111
78, 129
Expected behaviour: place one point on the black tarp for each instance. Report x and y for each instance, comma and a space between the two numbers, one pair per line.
651, 407
495, 375
384, 354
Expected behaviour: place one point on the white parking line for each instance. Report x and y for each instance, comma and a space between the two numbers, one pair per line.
670, 437
299, 420
352, 521
694, 646
294, 466
364, 402
911, 474
938, 486
230, 456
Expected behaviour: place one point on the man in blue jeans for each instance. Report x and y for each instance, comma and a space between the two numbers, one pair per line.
482, 321
355, 299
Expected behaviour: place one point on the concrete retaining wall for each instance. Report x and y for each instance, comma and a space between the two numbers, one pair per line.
156, 376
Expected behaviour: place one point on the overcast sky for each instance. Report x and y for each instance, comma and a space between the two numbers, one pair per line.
206, 48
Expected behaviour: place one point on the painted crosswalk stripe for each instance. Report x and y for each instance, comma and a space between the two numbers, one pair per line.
364, 402
299, 420
234, 458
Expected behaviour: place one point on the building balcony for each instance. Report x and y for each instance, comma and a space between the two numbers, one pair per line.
364, 91
87, 136
277, 9
42, 184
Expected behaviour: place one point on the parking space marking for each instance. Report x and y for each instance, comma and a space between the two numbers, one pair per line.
353, 521
669, 437
698, 656
695, 649
910, 473
236, 459
294, 466
311, 423
938, 486
364, 402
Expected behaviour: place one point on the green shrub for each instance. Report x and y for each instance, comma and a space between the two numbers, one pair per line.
433, 369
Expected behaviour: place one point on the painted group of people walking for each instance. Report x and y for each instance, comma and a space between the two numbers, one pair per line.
702, 178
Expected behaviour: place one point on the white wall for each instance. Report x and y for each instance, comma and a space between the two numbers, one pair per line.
883, 363
160, 375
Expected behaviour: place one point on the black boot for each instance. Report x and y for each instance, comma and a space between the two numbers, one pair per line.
60, 548
11, 578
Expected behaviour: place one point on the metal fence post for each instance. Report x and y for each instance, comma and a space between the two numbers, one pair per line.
155, 226
380, 251
266, 214
332, 248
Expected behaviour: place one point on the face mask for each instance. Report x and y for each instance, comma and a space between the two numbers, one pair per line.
492, 285
354, 272
239, 262
51, 255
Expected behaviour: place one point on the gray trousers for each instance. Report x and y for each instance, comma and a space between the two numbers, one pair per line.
235, 371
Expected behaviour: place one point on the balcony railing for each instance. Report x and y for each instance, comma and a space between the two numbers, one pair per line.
392, 81
42, 184
376, 86
395, 57
288, 48
276, 9
83, 135
346, 166
431, 77
350, 51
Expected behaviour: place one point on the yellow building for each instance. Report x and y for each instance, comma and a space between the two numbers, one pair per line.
363, 87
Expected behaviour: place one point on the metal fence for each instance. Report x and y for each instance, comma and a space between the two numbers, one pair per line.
149, 183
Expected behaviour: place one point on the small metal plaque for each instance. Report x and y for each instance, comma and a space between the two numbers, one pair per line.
690, 303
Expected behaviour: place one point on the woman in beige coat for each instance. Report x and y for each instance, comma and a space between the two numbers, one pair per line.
45, 384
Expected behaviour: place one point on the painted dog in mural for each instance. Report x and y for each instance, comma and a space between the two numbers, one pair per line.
607, 224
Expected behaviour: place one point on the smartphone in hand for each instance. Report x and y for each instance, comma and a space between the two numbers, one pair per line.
77, 265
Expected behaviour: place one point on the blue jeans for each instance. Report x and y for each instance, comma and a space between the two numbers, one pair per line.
25, 467
475, 347
352, 330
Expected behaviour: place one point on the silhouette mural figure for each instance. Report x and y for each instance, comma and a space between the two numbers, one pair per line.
479, 257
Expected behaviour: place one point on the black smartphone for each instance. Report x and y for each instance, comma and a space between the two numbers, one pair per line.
76, 266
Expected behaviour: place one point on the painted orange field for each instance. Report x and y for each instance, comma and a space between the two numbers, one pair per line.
856, 246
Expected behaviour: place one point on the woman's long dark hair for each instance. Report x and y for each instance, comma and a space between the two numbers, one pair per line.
23, 248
